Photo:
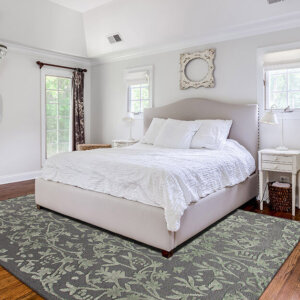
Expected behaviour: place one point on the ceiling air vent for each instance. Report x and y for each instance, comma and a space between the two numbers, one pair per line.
274, 1
115, 38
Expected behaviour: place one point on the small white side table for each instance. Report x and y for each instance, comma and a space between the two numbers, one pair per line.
123, 143
271, 160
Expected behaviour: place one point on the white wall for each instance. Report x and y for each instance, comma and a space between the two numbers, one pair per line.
20, 134
236, 82
43, 25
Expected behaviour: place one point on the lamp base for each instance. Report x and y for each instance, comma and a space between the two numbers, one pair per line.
282, 148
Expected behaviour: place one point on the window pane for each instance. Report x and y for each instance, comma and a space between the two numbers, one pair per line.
51, 83
64, 109
135, 106
135, 93
64, 84
279, 100
145, 93
51, 123
63, 136
51, 137
145, 104
278, 82
63, 123
51, 149
64, 96
294, 99
63, 147
294, 81
51, 110
51, 96
58, 109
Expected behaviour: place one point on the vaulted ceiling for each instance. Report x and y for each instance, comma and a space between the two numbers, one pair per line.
145, 26
148, 24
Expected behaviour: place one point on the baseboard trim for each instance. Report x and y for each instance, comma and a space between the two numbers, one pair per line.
19, 177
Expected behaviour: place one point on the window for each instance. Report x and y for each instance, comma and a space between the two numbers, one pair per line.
139, 98
283, 88
139, 90
56, 113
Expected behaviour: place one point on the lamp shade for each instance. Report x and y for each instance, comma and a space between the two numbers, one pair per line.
269, 118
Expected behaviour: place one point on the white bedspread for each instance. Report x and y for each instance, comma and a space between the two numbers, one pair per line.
167, 178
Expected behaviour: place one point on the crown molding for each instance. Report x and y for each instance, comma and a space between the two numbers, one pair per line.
20, 48
288, 21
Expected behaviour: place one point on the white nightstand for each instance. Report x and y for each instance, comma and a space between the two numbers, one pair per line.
271, 160
123, 143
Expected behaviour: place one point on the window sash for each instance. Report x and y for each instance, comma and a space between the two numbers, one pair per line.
140, 99
269, 93
58, 117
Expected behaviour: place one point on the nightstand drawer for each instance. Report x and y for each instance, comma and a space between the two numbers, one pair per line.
277, 167
277, 158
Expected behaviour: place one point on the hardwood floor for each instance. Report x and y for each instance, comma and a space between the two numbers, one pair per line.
254, 207
13, 190
284, 286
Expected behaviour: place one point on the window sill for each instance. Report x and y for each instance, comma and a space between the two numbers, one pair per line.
295, 115
139, 116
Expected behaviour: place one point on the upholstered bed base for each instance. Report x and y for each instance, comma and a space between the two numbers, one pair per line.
146, 223
138, 221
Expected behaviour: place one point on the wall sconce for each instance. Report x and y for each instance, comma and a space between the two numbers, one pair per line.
3, 51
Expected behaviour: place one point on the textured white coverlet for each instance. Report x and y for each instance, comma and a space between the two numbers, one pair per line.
163, 177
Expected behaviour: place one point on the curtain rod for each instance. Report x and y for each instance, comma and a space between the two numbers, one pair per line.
41, 64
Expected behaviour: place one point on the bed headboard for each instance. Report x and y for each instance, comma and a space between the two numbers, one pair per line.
244, 116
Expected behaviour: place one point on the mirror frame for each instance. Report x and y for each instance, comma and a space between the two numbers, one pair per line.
208, 81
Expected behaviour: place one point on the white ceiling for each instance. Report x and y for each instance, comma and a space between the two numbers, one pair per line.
81, 5
159, 24
146, 24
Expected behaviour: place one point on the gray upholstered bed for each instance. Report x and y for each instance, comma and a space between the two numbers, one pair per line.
146, 223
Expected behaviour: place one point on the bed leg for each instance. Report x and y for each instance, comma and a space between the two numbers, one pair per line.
38, 206
167, 254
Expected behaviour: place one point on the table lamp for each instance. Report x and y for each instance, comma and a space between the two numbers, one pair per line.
129, 118
270, 117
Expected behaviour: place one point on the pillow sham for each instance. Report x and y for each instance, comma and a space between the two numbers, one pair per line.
176, 134
212, 134
153, 131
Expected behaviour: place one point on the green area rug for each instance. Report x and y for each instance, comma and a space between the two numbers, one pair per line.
61, 258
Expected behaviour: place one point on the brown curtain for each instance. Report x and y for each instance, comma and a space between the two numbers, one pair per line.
78, 108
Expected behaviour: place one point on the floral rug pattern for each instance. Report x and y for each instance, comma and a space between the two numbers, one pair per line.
62, 258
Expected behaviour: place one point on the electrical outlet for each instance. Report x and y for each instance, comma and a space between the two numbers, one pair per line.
284, 179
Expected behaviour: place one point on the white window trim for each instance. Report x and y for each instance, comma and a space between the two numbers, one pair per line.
149, 70
51, 71
295, 115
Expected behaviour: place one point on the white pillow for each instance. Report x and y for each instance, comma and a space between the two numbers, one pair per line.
212, 134
176, 134
153, 131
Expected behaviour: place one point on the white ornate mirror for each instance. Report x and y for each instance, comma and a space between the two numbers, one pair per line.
197, 69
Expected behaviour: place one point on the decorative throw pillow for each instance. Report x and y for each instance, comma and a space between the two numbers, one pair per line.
212, 134
153, 131
177, 134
